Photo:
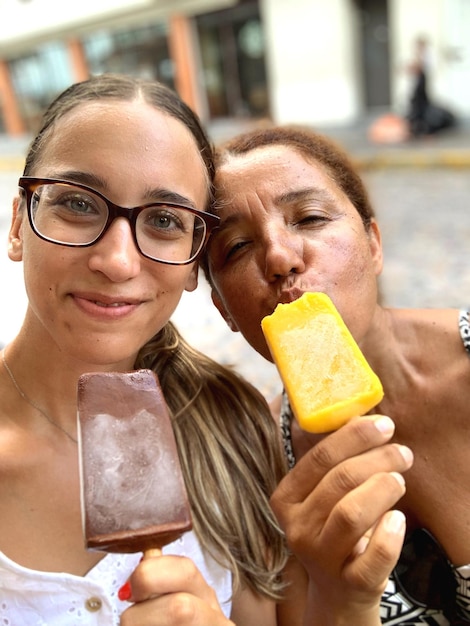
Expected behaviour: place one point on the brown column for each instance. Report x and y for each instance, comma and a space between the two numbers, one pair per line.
13, 121
80, 70
182, 50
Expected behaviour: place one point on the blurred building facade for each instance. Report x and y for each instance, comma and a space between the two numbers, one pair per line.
292, 61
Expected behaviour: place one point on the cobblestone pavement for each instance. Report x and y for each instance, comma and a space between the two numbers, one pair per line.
425, 221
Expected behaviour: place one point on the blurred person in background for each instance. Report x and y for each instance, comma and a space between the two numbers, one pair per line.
424, 116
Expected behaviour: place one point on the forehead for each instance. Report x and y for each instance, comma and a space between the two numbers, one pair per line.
271, 170
124, 139
119, 123
269, 165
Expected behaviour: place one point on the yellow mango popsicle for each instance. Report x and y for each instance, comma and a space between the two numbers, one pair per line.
326, 377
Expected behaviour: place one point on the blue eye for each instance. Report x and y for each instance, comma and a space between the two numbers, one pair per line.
80, 205
72, 201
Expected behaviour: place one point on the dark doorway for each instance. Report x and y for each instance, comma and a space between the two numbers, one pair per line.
374, 36
233, 60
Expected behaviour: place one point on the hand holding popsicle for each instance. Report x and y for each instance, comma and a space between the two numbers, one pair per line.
170, 591
334, 504
334, 508
134, 498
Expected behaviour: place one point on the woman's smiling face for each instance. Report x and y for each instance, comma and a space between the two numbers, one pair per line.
286, 228
109, 293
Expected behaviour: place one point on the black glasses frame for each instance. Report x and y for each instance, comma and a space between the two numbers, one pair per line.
29, 184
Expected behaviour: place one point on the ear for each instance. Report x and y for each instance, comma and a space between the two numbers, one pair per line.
15, 236
223, 311
375, 239
191, 282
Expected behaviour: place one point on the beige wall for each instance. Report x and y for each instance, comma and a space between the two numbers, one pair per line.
312, 60
314, 65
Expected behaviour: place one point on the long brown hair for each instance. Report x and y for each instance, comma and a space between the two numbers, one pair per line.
231, 455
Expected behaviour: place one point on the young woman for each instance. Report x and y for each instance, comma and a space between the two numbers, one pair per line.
295, 217
102, 283
110, 218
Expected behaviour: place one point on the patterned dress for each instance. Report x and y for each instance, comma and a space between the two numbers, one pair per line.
424, 588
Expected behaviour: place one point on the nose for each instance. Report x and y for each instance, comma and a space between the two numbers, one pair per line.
284, 254
116, 254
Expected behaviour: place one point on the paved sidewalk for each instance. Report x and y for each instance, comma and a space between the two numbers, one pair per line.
449, 148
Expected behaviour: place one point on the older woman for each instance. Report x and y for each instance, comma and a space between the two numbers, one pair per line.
295, 217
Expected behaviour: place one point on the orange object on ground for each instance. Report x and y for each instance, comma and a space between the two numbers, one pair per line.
389, 128
327, 378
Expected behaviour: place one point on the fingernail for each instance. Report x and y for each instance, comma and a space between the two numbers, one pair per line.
125, 592
384, 424
361, 545
406, 453
395, 522
398, 477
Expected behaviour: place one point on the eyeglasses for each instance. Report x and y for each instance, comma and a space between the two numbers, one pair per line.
71, 214
425, 576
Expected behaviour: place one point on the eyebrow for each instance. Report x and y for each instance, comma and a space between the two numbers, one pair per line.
306, 193
283, 199
156, 194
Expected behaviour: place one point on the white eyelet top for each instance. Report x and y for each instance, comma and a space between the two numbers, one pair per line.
33, 598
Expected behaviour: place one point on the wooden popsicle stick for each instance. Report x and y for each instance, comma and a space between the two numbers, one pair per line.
152, 552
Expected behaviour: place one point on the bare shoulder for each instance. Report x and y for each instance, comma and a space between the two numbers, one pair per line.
437, 331
430, 363
440, 317
423, 356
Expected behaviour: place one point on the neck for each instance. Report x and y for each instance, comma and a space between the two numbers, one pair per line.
26, 398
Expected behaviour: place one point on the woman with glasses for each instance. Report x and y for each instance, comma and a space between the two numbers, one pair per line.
109, 221
295, 218
111, 216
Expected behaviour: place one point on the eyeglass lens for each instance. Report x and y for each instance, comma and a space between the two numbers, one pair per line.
67, 214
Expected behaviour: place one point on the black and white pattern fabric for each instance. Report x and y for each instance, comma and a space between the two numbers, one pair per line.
397, 610
425, 589
285, 423
464, 327
462, 576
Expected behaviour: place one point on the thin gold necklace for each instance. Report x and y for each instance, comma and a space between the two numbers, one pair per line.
33, 404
